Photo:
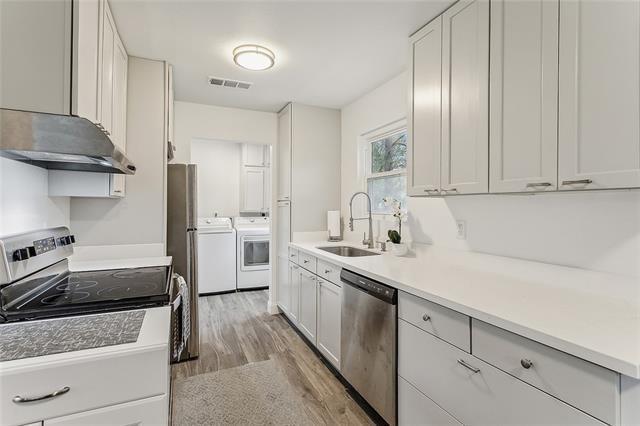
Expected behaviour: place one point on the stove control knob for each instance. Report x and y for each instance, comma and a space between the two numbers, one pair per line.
67, 240
20, 254
72, 238
32, 251
62, 241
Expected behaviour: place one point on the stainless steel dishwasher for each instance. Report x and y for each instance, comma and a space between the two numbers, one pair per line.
369, 340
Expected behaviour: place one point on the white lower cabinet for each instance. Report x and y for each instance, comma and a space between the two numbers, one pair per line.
473, 391
283, 277
414, 408
308, 305
329, 296
63, 183
148, 411
294, 290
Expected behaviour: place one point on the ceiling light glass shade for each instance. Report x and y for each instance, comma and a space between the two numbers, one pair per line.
253, 57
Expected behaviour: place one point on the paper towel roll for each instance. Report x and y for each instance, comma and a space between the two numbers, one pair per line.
333, 223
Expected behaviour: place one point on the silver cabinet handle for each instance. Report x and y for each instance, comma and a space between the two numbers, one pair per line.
467, 366
449, 190
577, 182
426, 318
21, 399
432, 191
293, 255
537, 184
526, 363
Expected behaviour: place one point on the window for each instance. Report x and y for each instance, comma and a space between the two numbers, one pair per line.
386, 168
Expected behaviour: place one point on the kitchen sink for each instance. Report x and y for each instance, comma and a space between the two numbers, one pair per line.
348, 251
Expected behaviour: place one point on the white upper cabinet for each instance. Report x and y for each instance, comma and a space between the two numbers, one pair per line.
87, 26
425, 110
523, 93
284, 153
107, 50
253, 189
465, 102
254, 155
599, 100
120, 65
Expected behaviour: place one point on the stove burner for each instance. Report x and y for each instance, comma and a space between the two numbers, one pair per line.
128, 273
76, 285
122, 291
63, 299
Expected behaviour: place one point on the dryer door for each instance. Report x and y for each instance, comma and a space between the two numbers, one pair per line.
254, 252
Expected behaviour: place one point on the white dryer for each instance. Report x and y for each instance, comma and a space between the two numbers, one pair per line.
253, 266
216, 255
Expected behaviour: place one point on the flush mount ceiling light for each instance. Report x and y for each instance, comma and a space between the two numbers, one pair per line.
253, 57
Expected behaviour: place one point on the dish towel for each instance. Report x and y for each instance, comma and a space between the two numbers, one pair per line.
185, 333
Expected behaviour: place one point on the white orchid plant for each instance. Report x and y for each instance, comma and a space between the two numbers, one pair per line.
398, 214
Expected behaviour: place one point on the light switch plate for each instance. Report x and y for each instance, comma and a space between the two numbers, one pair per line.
462, 229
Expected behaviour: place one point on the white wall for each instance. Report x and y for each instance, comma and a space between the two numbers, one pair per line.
138, 218
25, 204
591, 230
219, 166
222, 124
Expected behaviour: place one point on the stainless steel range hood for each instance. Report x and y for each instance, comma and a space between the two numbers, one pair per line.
60, 142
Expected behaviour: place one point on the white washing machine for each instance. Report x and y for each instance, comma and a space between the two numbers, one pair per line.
216, 255
252, 252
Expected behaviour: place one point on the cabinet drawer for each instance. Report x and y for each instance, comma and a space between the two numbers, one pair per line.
550, 370
416, 409
307, 261
293, 255
93, 382
477, 393
329, 272
442, 322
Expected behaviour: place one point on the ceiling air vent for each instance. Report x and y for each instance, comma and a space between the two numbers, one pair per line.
223, 82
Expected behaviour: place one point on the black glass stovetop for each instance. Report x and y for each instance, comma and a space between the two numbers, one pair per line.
68, 293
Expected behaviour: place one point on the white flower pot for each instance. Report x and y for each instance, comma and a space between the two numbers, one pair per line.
400, 249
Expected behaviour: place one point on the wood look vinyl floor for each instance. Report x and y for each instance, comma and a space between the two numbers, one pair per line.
236, 329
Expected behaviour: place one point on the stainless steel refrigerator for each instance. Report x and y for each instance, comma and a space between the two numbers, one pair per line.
182, 239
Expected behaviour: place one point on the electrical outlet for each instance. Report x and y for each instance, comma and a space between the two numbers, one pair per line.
462, 229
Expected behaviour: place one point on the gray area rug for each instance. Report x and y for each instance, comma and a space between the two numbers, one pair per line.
253, 394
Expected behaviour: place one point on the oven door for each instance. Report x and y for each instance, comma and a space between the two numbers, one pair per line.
254, 252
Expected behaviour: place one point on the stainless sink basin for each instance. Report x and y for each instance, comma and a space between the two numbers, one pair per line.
348, 251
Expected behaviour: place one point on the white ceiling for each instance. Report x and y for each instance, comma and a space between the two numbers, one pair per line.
327, 53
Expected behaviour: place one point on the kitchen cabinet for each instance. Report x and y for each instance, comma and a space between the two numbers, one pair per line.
149, 411
424, 123
294, 290
120, 64
284, 287
106, 77
415, 408
329, 312
284, 153
255, 155
64, 183
523, 94
599, 98
465, 98
252, 188
308, 305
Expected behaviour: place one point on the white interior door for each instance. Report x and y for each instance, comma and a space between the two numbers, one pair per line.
524, 95
465, 134
599, 101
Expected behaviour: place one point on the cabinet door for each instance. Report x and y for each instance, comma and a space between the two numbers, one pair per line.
283, 277
107, 43
425, 118
294, 290
524, 95
120, 62
414, 408
85, 75
253, 189
599, 101
465, 99
170, 106
253, 155
284, 154
329, 321
308, 297
149, 411
117, 185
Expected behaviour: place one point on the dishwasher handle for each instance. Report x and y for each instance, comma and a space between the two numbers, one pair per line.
374, 288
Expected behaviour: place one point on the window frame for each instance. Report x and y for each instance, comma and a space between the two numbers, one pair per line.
367, 139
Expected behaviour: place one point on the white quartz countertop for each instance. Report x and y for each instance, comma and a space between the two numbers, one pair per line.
592, 315
99, 265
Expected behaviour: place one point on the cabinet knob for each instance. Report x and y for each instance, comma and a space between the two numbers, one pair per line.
426, 318
526, 363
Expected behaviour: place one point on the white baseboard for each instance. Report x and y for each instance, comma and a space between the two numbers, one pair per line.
272, 308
